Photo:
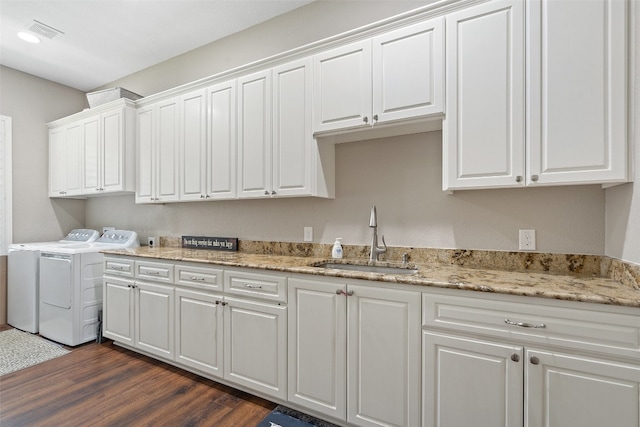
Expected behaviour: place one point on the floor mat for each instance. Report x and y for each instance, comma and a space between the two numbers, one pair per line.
19, 350
287, 417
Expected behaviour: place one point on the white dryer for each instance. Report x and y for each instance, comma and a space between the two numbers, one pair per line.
71, 287
22, 277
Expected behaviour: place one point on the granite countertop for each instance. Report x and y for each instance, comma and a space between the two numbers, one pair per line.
567, 287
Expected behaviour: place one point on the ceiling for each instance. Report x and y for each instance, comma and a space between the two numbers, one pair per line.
90, 43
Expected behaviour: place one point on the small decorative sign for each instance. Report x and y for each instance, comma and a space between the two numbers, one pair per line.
212, 243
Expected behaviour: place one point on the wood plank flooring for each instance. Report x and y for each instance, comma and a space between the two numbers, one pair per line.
105, 385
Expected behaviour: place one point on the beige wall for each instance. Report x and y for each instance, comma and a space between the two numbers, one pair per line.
401, 175
32, 102
623, 202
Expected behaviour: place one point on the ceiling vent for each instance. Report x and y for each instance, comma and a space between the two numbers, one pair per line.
44, 30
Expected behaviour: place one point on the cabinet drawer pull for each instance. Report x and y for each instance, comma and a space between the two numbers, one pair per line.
250, 286
346, 294
116, 267
151, 273
196, 278
524, 325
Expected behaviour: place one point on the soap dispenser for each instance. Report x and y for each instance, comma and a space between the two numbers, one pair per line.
336, 252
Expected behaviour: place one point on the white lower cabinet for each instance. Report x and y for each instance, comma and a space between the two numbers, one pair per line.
199, 332
139, 314
501, 363
179, 312
354, 352
255, 345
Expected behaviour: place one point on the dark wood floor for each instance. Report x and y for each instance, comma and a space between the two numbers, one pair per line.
104, 385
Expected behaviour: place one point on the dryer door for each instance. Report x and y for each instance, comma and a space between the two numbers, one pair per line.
55, 280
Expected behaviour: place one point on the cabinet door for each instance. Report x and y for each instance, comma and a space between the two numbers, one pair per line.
342, 87
469, 382
155, 319
254, 135
118, 310
318, 346
293, 143
576, 391
57, 172
112, 151
167, 147
408, 72
255, 346
145, 160
199, 331
73, 160
484, 130
91, 155
221, 153
578, 91
383, 358
193, 145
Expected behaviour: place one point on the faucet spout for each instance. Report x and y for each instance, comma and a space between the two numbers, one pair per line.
376, 250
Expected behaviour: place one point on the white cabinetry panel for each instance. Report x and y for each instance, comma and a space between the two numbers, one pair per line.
578, 91
484, 129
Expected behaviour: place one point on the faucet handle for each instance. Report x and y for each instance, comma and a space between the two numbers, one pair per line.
384, 245
373, 219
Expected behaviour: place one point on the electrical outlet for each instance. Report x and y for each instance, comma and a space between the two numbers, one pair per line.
153, 241
527, 240
308, 234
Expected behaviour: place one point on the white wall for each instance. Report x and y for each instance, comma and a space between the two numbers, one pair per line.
623, 202
402, 175
32, 102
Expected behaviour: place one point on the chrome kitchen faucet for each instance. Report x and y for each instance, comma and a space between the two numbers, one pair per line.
375, 249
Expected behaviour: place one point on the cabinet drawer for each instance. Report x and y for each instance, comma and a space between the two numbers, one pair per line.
118, 267
198, 277
155, 271
263, 286
559, 324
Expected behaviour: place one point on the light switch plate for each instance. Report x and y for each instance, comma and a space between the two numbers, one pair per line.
308, 234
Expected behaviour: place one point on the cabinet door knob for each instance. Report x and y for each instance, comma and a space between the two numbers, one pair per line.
266, 192
515, 357
518, 178
273, 193
375, 118
365, 119
534, 360
534, 178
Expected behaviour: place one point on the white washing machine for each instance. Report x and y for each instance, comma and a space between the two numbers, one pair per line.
22, 277
71, 287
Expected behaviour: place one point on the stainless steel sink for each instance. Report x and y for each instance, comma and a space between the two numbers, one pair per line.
368, 268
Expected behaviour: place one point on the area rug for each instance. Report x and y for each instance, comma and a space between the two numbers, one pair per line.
287, 417
19, 350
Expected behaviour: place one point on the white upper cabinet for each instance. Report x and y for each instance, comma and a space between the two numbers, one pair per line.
577, 98
254, 135
575, 127
65, 153
484, 127
92, 152
221, 141
408, 72
394, 76
342, 87
193, 145
277, 155
108, 152
158, 152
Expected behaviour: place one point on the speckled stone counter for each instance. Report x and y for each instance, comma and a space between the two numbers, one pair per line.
586, 286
